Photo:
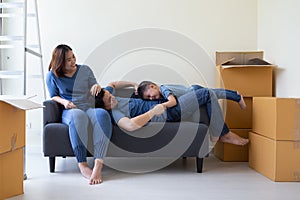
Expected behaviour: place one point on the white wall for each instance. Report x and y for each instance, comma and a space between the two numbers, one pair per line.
213, 24
216, 24
278, 36
85, 25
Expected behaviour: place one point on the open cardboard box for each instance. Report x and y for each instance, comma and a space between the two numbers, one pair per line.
13, 121
245, 72
12, 142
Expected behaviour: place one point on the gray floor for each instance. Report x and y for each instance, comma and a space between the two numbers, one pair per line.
220, 180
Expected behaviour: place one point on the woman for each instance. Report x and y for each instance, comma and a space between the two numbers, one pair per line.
68, 84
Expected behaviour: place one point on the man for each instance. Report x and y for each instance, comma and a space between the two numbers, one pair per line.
133, 113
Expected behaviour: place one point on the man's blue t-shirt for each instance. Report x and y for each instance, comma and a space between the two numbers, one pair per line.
132, 107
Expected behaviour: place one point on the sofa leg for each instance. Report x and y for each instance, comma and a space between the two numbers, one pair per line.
199, 164
52, 164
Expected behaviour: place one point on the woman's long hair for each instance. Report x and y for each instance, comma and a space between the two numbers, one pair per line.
58, 59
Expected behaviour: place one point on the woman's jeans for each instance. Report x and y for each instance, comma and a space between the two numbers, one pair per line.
80, 122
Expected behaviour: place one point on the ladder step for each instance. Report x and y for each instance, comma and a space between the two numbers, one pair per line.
10, 15
11, 74
7, 46
11, 46
11, 38
17, 74
12, 5
31, 15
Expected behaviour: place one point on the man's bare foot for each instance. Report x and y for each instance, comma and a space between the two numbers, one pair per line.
242, 103
96, 177
233, 138
85, 170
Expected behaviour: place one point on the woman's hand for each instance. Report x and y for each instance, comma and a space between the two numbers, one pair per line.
66, 103
69, 105
135, 85
95, 89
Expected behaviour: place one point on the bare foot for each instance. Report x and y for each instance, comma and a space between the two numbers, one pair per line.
85, 170
96, 177
242, 103
233, 138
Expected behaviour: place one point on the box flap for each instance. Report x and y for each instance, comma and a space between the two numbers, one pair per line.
245, 66
227, 62
240, 57
21, 103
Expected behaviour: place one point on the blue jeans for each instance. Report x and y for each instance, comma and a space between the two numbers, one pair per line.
80, 122
222, 93
188, 109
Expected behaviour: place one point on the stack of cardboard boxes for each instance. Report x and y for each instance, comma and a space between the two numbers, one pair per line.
274, 150
12, 143
251, 76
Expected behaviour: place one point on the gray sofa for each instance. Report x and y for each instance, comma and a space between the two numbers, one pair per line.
171, 139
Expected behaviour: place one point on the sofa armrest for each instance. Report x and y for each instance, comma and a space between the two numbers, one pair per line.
52, 112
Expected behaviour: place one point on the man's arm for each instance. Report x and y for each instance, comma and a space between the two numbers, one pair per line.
132, 124
123, 84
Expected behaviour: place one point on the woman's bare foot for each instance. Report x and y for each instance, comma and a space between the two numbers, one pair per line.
96, 177
85, 170
233, 138
242, 103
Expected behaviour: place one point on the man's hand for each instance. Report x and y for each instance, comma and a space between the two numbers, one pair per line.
158, 109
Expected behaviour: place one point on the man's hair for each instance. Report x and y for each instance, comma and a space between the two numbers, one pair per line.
99, 103
143, 86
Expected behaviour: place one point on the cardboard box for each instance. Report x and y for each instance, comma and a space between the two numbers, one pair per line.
12, 142
12, 129
277, 160
244, 74
277, 118
232, 153
13, 122
11, 173
234, 116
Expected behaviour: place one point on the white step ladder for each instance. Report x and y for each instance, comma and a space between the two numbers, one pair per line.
10, 12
